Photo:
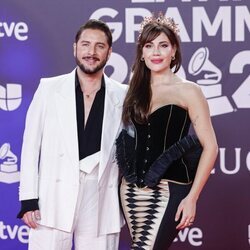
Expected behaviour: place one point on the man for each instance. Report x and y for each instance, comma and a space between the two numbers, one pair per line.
69, 178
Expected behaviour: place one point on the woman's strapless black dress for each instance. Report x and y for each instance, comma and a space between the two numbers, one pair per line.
150, 212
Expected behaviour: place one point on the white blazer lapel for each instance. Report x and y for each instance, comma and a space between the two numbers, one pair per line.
111, 123
66, 110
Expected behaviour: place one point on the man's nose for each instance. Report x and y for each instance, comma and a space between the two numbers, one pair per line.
91, 49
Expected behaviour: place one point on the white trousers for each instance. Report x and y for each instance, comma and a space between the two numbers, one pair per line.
84, 230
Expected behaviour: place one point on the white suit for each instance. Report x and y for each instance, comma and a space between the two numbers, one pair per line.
50, 160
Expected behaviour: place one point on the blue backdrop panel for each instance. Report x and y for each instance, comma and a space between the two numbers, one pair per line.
36, 39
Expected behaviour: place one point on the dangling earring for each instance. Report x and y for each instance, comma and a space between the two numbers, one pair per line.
142, 59
172, 58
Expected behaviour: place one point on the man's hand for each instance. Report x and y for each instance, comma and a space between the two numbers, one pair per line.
30, 218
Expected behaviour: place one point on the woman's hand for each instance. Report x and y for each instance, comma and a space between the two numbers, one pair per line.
186, 211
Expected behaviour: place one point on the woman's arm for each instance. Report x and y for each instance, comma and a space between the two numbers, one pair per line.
199, 114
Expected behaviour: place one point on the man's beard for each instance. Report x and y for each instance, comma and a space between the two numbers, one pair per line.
93, 70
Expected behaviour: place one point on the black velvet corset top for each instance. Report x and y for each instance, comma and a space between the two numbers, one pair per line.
165, 126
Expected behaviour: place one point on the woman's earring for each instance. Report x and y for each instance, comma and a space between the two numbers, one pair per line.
172, 58
142, 59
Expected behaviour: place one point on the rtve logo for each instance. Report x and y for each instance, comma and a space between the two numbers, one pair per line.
17, 30
10, 97
193, 235
9, 232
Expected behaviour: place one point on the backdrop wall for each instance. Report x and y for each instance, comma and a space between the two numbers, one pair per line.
36, 40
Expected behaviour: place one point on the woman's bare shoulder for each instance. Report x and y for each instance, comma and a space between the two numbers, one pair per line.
186, 85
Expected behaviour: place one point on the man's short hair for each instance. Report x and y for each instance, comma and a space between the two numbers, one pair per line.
95, 25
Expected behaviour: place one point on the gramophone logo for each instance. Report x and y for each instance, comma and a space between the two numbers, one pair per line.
10, 97
8, 165
209, 81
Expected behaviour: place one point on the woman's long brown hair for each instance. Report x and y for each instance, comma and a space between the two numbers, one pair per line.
137, 101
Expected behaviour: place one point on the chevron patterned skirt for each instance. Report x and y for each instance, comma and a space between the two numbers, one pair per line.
150, 213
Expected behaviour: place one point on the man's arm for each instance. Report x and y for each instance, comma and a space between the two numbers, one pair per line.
28, 191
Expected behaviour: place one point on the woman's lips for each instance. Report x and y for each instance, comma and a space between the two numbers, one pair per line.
156, 61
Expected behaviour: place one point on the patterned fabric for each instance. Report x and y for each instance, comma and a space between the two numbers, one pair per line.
144, 209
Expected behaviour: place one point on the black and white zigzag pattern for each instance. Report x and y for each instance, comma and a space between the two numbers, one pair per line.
144, 209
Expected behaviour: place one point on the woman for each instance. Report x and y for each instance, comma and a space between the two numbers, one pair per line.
160, 107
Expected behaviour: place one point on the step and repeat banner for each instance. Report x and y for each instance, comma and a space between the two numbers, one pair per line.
36, 39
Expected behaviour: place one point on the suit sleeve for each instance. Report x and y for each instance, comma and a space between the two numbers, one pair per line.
32, 139
28, 205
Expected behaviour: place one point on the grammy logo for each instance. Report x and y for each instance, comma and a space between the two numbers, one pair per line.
209, 81
8, 168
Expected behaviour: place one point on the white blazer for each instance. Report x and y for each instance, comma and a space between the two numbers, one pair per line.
50, 160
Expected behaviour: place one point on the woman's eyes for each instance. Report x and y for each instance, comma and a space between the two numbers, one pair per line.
148, 46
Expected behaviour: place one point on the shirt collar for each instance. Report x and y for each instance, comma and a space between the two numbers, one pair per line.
77, 82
